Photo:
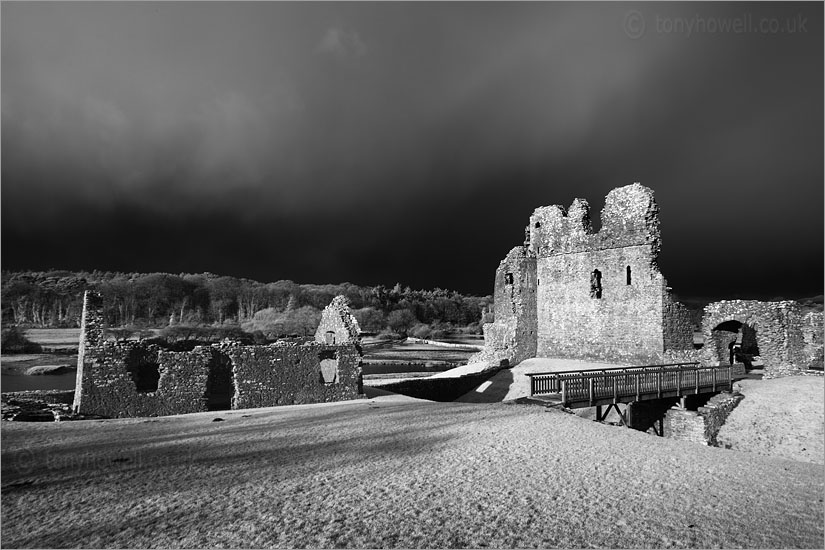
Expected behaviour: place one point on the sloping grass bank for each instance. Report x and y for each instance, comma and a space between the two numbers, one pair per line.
782, 417
393, 472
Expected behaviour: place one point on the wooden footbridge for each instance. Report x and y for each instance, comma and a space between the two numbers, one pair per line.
595, 388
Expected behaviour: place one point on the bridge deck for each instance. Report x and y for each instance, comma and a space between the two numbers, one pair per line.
628, 384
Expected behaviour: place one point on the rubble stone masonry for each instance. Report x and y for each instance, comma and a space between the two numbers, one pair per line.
703, 425
572, 293
788, 343
338, 325
129, 379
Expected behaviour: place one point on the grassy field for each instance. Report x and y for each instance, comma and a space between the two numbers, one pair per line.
417, 352
393, 472
391, 359
54, 337
782, 417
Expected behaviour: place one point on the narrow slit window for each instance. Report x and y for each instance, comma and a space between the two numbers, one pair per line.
508, 278
596, 284
629, 280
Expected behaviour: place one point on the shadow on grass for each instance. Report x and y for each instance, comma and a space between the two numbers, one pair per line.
116, 454
447, 389
136, 479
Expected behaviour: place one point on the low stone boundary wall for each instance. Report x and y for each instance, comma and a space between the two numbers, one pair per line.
703, 425
37, 405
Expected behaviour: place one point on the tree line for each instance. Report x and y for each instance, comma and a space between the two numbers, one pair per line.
151, 300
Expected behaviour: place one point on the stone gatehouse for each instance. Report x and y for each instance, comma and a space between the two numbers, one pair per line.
787, 340
574, 293
128, 379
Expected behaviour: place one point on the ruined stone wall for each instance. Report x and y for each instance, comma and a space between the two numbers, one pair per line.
715, 413
676, 324
91, 334
778, 328
685, 425
630, 218
703, 425
601, 295
812, 327
108, 389
292, 374
749, 343
338, 325
128, 379
594, 295
623, 325
512, 335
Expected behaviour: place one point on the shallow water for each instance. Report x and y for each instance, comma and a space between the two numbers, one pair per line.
21, 382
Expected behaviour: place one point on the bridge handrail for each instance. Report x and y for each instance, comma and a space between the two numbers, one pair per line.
549, 382
629, 381
598, 388
531, 374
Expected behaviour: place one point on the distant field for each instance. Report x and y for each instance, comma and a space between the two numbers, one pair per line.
411, 360
54, 337
417, 352
471, 339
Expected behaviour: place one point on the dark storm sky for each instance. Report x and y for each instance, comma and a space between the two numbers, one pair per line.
384, 142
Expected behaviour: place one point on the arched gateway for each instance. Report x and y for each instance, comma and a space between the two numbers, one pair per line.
773, 330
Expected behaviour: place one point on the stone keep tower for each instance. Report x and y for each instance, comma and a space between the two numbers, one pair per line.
569, 292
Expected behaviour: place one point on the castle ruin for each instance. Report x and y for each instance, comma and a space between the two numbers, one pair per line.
571, 292
787, 340
129, 379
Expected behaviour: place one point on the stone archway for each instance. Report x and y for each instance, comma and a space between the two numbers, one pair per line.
773, 330
734, 333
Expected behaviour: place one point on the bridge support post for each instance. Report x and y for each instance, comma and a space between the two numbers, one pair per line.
659, 427
601, 414
643, 415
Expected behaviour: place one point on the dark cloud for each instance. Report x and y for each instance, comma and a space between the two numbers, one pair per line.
406, 142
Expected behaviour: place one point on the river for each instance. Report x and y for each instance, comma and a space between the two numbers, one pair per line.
21, 382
